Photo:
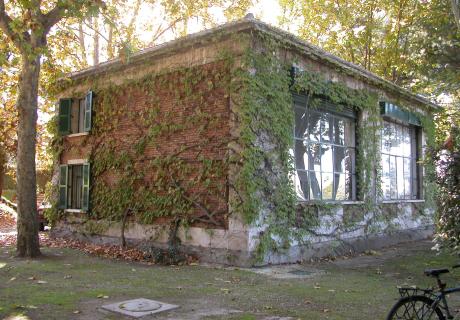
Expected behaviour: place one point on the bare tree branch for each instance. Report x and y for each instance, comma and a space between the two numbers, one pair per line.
53, 16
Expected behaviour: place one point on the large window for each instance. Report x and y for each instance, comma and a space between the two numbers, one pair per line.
399, 161
324, 152
74, 186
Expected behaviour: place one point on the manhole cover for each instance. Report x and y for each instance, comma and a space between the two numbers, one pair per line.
140, 306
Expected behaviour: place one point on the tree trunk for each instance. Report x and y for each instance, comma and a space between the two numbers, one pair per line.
81, 40
2, 172
96, 40
110, 50
27, 221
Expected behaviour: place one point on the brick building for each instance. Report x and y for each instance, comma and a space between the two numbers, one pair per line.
165, 140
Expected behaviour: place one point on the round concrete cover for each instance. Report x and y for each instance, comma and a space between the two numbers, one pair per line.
140, 306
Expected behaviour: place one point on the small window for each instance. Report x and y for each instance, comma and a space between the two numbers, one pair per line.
75, 114
74, 187
324, 153
399, 149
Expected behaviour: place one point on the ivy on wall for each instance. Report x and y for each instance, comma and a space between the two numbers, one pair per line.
267, 125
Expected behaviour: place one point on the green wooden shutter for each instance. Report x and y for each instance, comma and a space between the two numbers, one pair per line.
86, 182
88, 110
63, 178
65, 109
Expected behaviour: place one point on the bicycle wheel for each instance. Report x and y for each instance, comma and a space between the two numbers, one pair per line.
415, 308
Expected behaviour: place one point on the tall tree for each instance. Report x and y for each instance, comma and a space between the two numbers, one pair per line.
396, 39
26, 24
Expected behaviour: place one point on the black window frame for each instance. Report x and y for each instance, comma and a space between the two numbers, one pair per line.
324, 106
415, 135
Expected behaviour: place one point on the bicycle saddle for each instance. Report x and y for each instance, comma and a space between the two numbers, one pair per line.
435, 272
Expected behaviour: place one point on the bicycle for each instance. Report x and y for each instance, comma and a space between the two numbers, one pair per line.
424, 304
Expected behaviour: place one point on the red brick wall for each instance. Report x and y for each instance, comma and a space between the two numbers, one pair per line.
198, 122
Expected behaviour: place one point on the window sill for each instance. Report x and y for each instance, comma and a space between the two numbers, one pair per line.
403, 201
79, 134
75, 211
346, 202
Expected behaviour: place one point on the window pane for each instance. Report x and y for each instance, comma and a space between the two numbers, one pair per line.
301, 156
327, 185
315, 185
326, 127
350, 160
338, 131
340, 158
407, 178
314, 126
342, 187
386, 176
386, 142
301, 185
314, 156
350, 133
400, 177
77, 186
301, 122
393, 185
406, 142
395, 139
326, 158
81, 115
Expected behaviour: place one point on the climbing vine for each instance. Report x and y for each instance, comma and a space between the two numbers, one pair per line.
267, 124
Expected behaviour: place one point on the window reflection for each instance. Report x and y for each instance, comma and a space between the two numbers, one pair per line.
324, 155
398, 161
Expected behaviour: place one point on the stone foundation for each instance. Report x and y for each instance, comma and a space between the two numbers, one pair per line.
245, 258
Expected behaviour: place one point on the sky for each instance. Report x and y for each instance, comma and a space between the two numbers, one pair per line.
265, 10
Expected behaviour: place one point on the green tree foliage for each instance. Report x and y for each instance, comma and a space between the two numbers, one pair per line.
448, 179
412, 43
24, 26
438, 47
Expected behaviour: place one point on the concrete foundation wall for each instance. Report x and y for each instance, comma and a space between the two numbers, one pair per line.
235, 247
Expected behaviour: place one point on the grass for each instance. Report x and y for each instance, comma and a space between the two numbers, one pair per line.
74, 281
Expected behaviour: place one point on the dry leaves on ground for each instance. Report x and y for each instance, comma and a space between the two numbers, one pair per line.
105, 251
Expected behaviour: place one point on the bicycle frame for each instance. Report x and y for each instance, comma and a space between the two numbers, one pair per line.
441, 298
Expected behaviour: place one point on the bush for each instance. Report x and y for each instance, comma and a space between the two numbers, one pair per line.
448, 200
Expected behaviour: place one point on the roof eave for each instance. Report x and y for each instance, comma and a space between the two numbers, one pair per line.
246, 24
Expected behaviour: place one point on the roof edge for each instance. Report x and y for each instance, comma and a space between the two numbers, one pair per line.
250, 23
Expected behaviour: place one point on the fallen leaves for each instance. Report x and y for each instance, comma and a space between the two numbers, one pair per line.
104, 251
7, 222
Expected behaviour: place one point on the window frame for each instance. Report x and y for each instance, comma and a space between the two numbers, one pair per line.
66, 110
346, 113
66, 187
415, 135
